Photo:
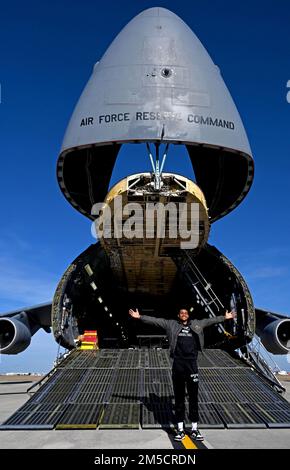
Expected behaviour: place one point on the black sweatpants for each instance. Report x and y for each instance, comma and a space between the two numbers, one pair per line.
185, 371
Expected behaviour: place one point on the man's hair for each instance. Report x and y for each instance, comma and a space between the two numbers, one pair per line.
184, 308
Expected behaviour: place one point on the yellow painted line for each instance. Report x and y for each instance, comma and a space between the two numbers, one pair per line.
76, 426
101, 416
188, 444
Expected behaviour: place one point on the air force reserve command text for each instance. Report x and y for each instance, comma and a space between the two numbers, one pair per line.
145, 459
120, 117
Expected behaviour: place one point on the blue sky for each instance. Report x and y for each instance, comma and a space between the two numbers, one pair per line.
48, 50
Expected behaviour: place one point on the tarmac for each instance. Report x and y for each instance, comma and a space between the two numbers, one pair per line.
13, 395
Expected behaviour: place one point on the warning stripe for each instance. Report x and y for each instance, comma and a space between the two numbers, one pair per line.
188, 444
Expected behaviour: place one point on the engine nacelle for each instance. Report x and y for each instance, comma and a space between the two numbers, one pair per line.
15, 336
274, 333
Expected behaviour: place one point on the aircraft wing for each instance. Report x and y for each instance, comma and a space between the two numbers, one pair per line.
40, 313
18, 326
262, 311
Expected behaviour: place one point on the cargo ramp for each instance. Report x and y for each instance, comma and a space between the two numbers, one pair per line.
132, 388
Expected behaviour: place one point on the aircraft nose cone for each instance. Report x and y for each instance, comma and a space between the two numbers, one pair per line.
156, 75
157, 82
157, 11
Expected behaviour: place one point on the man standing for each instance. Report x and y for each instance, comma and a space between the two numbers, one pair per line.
185, 338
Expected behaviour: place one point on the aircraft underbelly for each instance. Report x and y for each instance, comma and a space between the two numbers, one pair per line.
139, 249
138, 269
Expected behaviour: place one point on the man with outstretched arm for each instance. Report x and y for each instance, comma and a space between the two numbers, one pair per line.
185, 338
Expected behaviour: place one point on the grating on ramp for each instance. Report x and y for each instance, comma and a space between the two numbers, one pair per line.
84, 416
237, 416
114, 388
121, 416
157, 415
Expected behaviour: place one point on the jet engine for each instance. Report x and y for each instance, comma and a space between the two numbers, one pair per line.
274, 331
17, 327
15, 334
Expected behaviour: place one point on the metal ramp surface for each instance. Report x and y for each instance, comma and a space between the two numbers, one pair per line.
126, 389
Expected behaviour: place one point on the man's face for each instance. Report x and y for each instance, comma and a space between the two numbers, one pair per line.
183, 315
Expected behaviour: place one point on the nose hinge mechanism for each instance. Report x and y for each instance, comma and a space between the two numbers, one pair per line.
157, 166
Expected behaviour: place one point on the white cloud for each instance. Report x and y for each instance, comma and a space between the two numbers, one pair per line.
23, 277
24, 285
267, 272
